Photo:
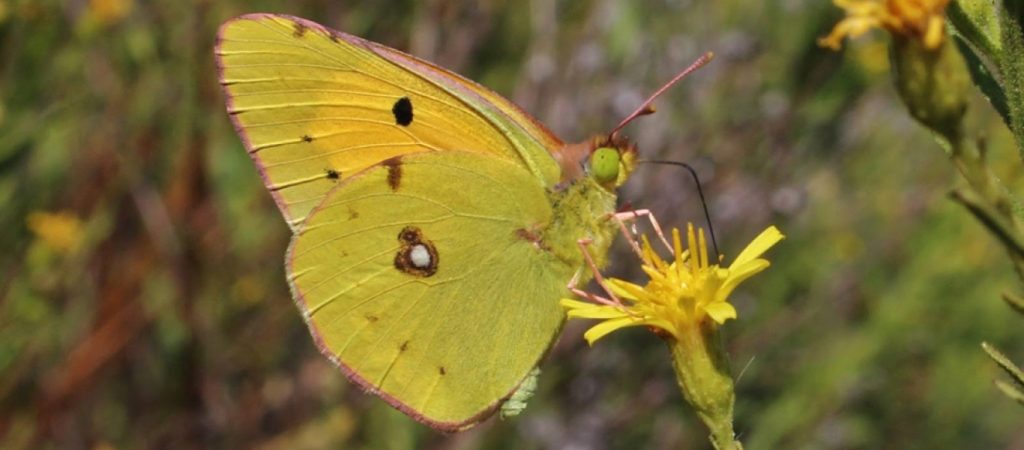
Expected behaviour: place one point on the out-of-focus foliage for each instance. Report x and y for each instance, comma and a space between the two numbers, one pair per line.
142, 293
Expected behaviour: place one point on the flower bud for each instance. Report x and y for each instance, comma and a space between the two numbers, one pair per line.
933, 83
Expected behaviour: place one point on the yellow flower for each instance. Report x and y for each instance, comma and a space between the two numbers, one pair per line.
921, 20
110, 11
680, 295
61, 231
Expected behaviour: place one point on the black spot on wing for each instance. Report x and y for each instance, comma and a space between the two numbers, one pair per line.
300, 30
333, 175
307, 138
442, 370
402, 111
410, 235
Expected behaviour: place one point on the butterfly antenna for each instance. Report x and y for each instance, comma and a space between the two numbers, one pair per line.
645, 108
700, 192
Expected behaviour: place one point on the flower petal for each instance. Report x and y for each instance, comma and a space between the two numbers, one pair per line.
597, 312
747, 270
720, 311
569, 303
702, 248
654, 275
744, 271
624, 289
663, 324
602, 329
934, 32
650, 256
769, 237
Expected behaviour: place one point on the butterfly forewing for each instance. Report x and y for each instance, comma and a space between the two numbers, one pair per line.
315, 106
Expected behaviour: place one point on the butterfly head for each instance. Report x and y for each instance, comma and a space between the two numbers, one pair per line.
606, 160
611, 161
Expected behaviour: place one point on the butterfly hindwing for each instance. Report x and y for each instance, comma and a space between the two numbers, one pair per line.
437, 299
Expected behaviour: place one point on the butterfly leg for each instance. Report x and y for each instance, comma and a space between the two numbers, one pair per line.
573, 285
623, 216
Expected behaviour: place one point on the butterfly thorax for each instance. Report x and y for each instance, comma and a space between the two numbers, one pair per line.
583, 203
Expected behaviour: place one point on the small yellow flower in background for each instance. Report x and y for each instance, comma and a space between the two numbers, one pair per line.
681, 294
929, 72
110, 12
61, 231
922, 20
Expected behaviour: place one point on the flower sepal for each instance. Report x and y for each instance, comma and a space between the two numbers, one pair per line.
702, 371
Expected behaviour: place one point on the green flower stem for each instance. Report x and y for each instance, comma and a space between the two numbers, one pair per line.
935, 84
986, 198
995, 220
703, 374
1011, 64
990, 204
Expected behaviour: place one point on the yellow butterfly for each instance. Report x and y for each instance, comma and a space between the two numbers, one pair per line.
436, 225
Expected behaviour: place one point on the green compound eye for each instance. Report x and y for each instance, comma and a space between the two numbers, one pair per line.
604, 165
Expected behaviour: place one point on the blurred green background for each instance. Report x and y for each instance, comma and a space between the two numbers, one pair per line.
143, 301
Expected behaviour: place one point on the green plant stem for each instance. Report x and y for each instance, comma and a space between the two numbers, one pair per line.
703, 374
992, 219
1011, 65
985, 200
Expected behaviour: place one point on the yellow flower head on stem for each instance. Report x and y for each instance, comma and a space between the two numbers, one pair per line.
682, 293
922, 20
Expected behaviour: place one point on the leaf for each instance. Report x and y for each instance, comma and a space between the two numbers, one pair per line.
1014, 10
1010, 391
1015, 372
1011, 65
985, 80
976, 22
1014, 301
